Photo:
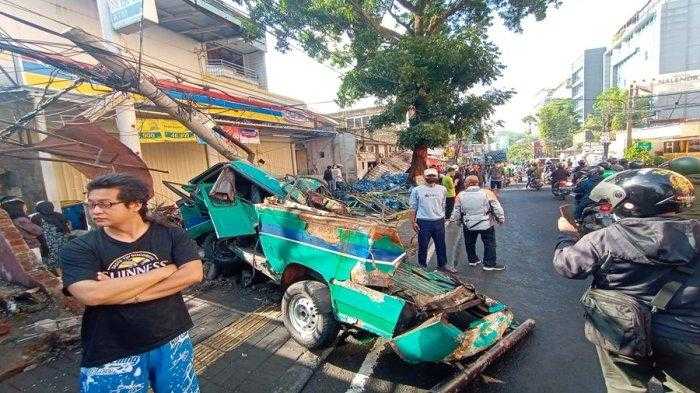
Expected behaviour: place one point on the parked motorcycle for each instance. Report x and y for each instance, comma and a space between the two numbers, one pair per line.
596, 216
562, 189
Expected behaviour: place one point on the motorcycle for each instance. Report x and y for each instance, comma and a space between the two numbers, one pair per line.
596, 216
562, 189
534, 184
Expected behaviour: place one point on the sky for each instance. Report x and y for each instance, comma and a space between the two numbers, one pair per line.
539, 57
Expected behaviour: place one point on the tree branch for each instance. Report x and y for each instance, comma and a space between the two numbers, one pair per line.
398, 20
389, 34
407, 5
452, 9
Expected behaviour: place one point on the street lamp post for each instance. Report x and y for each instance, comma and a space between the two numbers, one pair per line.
605, 140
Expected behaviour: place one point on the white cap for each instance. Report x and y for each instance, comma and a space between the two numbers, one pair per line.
430, 171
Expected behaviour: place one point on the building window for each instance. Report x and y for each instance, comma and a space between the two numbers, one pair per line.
322, 154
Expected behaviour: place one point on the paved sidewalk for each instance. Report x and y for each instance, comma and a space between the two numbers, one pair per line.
234, 352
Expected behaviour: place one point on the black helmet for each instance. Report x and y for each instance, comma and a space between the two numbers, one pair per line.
685, 165
645, 192
636, 164
605, 165
594, 171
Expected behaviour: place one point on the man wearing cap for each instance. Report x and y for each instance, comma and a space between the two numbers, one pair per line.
428, 211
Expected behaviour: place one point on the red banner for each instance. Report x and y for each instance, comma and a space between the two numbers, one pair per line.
245, 135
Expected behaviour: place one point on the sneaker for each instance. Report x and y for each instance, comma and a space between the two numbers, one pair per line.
448, 269
494, 267
474, 263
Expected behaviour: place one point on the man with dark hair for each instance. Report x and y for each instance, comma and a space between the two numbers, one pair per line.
129, 274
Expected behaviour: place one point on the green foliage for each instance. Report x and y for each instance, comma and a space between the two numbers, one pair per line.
427, 63
635, 152
610, 111
521, 150
558, 121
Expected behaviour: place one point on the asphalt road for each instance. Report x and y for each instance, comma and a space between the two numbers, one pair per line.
554, 358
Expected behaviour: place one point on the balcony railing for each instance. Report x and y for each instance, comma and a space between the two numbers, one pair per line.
225, 69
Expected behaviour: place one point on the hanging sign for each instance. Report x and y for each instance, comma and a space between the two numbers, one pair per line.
247, 135
126, 15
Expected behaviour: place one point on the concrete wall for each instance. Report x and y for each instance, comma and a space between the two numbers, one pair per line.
319, 154
592, 78
679, 42
345, 152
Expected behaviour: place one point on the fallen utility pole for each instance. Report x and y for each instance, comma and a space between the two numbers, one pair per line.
199, 123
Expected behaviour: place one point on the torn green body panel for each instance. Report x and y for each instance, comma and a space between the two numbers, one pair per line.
197, 224
229, 219
432, 341
323, 244
371, 310
258, 176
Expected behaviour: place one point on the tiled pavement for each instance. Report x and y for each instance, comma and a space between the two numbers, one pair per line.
234, 352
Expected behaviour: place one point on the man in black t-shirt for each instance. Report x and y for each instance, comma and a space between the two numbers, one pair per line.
129, 274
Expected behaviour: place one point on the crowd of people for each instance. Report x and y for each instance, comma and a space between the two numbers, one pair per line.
45, 231
642, 310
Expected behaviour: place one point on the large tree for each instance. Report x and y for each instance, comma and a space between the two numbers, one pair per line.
610, 111
419, 58
558, 121
521, 150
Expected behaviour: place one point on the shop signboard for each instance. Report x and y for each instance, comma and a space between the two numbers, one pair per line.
163, 130
643, 145
126, 15
247, 135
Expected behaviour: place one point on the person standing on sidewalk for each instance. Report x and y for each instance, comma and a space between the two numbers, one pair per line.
449, 183
428, 210
129, 274
337, 172
328, 177
479, 211
31, 233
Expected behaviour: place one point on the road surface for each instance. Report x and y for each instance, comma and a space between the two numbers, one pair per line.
554, 358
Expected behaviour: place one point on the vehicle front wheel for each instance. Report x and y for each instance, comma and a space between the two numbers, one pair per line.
308, 316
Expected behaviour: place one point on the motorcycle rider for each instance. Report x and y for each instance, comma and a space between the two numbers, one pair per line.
644, 268
579, 171
534, 173
583, 189
560, 173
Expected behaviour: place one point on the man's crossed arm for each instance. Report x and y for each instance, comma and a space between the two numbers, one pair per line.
155, 284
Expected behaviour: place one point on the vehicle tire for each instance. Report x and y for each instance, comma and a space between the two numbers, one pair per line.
307, 314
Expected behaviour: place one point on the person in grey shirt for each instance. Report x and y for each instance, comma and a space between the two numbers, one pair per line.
428, 211
478, 210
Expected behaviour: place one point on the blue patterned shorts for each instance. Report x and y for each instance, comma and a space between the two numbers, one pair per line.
168, 368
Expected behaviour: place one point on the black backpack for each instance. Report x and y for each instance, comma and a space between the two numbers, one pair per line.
620, 323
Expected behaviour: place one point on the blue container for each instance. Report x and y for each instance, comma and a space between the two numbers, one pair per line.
75, 214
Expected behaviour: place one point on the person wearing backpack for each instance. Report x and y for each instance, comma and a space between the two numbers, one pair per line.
478, 211
642, 311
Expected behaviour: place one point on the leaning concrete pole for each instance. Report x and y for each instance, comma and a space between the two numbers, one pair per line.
199, 123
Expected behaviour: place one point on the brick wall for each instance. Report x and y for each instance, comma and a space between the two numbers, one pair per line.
18, 264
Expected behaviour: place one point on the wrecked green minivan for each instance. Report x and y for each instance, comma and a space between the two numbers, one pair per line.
336, 268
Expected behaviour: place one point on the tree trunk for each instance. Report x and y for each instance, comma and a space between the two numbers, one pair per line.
418, 163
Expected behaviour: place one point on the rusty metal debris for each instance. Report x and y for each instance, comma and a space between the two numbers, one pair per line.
450, 300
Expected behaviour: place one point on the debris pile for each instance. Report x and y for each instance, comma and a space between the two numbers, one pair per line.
385, 196
389, 165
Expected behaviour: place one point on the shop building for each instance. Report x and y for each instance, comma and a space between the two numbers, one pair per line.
196, 54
